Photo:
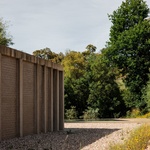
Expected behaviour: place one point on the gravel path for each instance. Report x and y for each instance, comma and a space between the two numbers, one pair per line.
76, 136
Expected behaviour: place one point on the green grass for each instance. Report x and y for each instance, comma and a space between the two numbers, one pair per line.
147, 115
138, 140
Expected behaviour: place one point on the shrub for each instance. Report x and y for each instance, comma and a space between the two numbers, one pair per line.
71, 113
146, 94
147, 115
90, 113
134, 113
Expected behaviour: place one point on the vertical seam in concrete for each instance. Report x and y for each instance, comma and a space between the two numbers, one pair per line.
21, 95
45, 99
38, 99
0, 98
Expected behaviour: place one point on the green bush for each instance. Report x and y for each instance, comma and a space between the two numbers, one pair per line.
71, 113
134, 113
146, 94
147, 115
90, 114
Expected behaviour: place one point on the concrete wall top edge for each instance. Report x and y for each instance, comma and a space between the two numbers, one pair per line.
7, 51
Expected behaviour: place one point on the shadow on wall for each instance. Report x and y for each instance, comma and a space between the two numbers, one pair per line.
69, 139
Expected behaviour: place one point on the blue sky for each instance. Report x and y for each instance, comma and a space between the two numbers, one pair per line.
58, 24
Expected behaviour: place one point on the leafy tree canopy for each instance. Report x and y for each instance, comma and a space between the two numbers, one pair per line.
104, 91
129, 46
130, 13
46, 53
74, 64
5, 38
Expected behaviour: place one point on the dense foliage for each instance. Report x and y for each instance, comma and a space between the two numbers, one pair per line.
114, 82
5, 38
129, 48
91, 90
104, 91
46, 53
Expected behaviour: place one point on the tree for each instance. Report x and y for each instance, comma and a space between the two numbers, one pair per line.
91, 48
46, 53
129, 47
90, 85
5, 38
130, 13
74, 65
76, 88
104, 91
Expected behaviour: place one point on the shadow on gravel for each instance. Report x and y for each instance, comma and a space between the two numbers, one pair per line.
78, 138
69, 139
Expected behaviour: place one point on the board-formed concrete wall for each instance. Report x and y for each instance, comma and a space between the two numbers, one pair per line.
31, 94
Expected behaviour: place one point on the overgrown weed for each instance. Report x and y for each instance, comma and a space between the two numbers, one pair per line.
138, 140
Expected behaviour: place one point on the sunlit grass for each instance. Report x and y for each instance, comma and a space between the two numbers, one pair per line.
138, 139
147, 115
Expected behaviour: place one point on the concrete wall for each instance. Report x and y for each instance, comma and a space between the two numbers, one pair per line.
31, 94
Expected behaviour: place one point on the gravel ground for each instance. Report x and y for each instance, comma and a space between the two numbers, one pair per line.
76, 136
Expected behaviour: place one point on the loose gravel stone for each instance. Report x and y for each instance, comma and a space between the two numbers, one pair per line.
76, 136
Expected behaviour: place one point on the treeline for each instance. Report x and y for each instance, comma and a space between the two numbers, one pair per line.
90, 83
114, 82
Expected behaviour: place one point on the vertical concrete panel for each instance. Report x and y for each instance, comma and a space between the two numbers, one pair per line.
38, 99
35, 99
45, 99
28, 98
41, 102
0, 99
56, 100
21, 97
9, 97
50, 99
61, 100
